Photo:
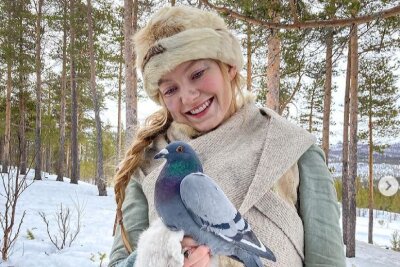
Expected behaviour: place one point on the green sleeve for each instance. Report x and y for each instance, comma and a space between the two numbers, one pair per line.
323, 244
135, 219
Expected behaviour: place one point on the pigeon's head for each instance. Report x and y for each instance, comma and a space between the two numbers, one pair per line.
178, 152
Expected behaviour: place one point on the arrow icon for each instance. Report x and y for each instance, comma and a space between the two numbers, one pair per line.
389, 185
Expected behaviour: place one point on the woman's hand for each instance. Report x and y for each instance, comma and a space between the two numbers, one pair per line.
195, 255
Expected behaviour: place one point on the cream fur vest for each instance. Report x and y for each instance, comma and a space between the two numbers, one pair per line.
253, 157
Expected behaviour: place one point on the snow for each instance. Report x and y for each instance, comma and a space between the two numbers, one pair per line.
97, 221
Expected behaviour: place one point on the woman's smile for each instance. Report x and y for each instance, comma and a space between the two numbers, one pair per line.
201, 110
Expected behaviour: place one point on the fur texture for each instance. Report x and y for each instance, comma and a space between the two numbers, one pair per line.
158, 246
178, 34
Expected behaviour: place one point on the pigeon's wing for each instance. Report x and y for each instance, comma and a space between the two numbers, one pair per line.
214, 212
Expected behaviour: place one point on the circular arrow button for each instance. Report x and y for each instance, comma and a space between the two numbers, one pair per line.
388, 186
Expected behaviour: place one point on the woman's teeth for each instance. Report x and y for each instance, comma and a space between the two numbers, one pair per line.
201, 108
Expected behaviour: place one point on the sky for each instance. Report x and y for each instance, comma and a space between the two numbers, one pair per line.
95, 236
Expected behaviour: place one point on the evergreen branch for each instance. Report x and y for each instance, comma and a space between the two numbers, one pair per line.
337, 22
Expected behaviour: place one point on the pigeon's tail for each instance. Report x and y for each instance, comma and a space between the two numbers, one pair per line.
249, 260
253, 245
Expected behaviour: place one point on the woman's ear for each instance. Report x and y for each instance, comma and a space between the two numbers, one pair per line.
232, 72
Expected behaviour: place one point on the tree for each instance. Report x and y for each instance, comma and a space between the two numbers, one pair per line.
130, 26
345, 152
119, 126
7, 131
378, 97
23, 70
8, 47
353, 126
274, 60
61, 153
328, 92
38, 67
74, 99
100, 180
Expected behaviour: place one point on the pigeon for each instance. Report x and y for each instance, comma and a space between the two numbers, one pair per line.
187, 199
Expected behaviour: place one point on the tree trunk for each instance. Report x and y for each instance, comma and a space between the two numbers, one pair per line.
345, 151
1, 148
273, 63
7, 131
119, 128
49, 169
74, 101
351, 227
130, 26
328, 93
249, 53
22, 126
68, 160
100, 179
61, 153
311, 115
38, 64
172, 2
371, 171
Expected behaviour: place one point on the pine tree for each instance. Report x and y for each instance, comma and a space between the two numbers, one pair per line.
378, 106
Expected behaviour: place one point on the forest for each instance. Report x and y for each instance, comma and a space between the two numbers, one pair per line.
66, 65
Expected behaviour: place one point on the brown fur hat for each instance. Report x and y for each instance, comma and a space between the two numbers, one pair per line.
178, 34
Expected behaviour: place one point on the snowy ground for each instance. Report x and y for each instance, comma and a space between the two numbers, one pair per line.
95, 236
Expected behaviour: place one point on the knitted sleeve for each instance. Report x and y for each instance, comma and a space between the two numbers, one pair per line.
323, 245
135, 218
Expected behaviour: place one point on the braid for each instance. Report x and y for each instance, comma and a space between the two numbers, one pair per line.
155, 124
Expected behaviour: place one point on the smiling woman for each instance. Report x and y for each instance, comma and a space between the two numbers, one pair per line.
269, 169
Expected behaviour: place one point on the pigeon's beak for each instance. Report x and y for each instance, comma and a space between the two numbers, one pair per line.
162, 154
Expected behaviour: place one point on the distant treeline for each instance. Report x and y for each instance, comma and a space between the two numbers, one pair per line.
381, 202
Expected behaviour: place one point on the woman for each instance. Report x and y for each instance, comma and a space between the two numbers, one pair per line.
269, 168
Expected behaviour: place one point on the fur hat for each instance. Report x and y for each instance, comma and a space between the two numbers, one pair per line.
178, 34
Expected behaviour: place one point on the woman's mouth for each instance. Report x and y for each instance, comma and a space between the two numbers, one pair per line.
200, 110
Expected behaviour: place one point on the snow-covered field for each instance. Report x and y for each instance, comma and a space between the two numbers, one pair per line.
97, 220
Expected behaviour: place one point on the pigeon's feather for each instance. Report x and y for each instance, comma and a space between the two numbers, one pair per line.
212, 211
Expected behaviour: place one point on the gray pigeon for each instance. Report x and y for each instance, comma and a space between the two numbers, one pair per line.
187, 199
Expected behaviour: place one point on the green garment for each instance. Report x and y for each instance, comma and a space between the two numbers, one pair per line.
318, 209
323, 245
135, 221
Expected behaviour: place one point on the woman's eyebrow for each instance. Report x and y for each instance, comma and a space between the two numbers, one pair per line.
161, 81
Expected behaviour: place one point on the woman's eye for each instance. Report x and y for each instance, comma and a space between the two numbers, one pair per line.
170, 91
197, 74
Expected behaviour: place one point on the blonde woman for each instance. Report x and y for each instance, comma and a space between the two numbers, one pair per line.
269, 168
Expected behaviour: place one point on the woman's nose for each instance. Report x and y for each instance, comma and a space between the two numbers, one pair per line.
189, 94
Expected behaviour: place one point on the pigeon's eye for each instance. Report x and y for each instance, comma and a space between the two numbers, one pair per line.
179, 149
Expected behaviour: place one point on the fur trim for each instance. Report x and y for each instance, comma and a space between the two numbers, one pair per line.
159, 246
178, 34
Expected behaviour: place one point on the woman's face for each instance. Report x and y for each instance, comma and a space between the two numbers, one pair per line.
196, 94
